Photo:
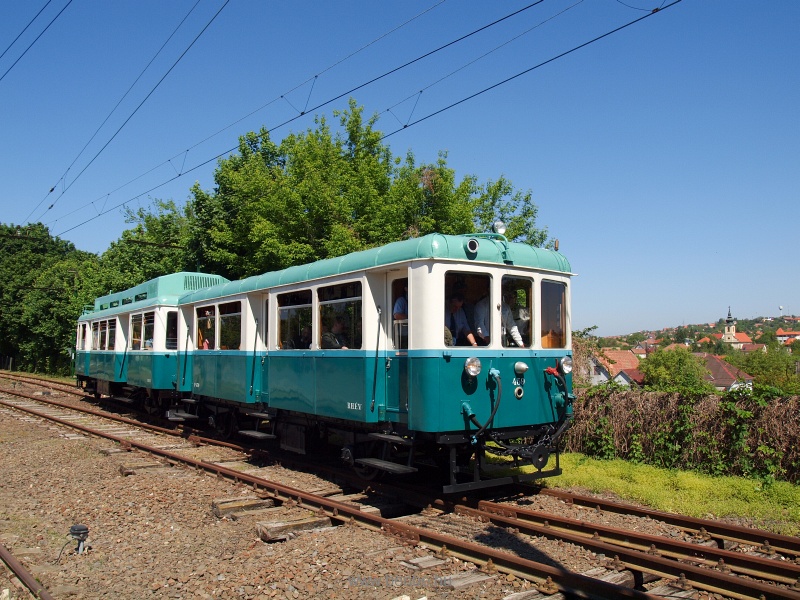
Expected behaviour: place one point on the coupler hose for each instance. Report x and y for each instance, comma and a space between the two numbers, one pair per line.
495, 374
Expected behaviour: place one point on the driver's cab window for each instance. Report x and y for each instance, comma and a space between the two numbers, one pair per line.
515, 312
466, 308
554, 314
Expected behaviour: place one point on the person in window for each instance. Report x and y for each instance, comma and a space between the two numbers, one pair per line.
455, 319
507, 321
334, 339
400, 310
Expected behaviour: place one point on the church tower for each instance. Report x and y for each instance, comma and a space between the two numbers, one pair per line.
729, 337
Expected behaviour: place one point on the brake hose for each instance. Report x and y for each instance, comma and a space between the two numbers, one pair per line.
494, 373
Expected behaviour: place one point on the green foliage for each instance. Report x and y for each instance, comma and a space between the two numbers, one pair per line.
676, 370
775, 367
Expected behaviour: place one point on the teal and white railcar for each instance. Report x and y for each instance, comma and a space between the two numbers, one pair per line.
127, 343
315, 352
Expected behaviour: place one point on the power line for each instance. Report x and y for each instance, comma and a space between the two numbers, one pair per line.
331, 100
34, 41
454, 104
26, 28
541, 64
140, 104
63, 177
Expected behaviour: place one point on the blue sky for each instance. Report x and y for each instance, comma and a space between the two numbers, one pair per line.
664, 157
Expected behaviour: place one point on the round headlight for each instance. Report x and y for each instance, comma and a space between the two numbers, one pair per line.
566, 365
499, 227
473, 366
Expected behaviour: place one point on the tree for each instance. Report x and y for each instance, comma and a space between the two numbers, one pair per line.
675, 370
320, 194
775, 368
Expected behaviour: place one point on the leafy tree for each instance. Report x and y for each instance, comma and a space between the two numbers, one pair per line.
320, 194
155, 246
41, 296
675, 370
775, 367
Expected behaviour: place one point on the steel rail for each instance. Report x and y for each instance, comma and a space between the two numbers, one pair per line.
781, 571
27, 579
565, 580
707, 579
784, 544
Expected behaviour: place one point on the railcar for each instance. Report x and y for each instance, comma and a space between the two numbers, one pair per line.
479, 364
127, 342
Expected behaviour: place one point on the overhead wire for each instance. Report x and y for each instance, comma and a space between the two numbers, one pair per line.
14, 41
3, 76
420, 120
541, 64
160, 81
125, 95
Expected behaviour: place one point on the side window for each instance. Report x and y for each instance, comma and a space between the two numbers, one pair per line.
136, 332
294, 320
467, 309
172, 330
149, 330
265, 338
340, 316
206, 327
112, 333
82, 337
553, 314
95, 336
230, 325
515, 312
103, 330
400, 313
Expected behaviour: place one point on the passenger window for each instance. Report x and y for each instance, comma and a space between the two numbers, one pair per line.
206, 328
103, 328
553, 314
515, 312
149, 330
467, 308
340, 316
112, 334
294, 320
230, 325
95, 336
172, 330
400, 313
136, 332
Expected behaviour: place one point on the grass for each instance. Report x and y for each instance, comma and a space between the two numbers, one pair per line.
774, 506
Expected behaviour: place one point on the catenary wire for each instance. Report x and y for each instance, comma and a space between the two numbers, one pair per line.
454, 104
394, 70
25, 29
526, 71
150, 93
34, 41
125, 95
185, 152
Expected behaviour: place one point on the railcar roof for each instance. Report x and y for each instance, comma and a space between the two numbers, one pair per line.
491, 250
164, 290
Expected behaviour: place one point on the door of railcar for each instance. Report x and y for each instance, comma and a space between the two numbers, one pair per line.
397, 366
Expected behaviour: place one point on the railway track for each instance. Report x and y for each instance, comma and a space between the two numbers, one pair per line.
718, 560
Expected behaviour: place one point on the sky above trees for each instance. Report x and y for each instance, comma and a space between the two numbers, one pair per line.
663, 157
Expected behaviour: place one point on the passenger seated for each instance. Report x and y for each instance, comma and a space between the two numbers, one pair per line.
456, 320
334, 339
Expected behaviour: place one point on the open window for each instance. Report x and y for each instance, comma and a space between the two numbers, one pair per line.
206, 327
516, 311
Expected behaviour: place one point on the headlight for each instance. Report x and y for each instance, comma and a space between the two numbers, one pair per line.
473, 366
566, 365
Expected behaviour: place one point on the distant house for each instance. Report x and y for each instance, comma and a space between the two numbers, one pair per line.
609, 366
754, 348
629, 377
723, 375
786, 337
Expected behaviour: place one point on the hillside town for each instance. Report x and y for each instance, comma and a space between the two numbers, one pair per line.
617, 358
